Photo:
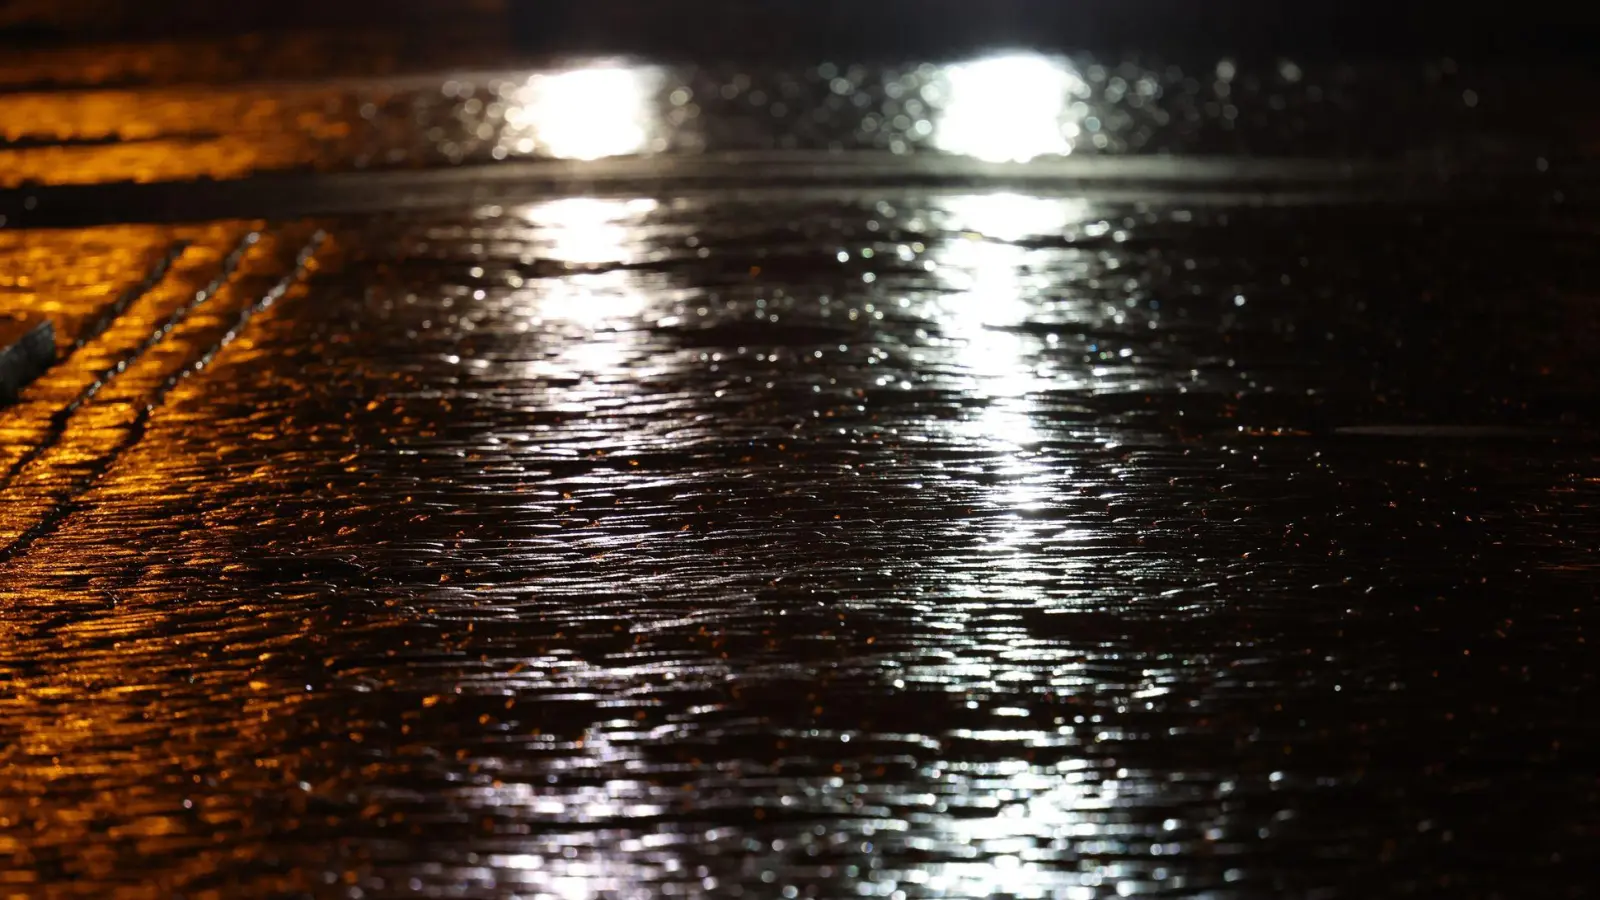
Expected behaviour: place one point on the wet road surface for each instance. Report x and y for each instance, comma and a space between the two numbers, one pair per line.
1017, 531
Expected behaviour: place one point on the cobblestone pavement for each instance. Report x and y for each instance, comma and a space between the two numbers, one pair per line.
626, 480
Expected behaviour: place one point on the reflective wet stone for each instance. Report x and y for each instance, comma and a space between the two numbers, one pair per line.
892, 541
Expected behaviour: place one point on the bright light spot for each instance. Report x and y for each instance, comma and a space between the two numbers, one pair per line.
585, 113
1012, 217
993, 291
989, 276
587, 230
1008, 108
591, 303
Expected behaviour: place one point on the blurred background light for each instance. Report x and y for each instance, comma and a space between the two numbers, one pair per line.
587, 113
1010, 108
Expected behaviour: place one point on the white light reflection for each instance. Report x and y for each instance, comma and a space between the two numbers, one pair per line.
589, 796
996, 294
585, 849
586, 113
586, 231
1012, 217
1009, 108
1021, 819
994, 291
1040, 811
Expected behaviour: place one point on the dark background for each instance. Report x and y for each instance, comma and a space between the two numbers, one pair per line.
758, 28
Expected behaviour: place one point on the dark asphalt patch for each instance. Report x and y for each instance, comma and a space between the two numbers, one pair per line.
27, 348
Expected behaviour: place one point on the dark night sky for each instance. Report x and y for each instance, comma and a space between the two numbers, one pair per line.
758, 28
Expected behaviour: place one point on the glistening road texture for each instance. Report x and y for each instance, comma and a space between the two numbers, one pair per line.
893, 539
